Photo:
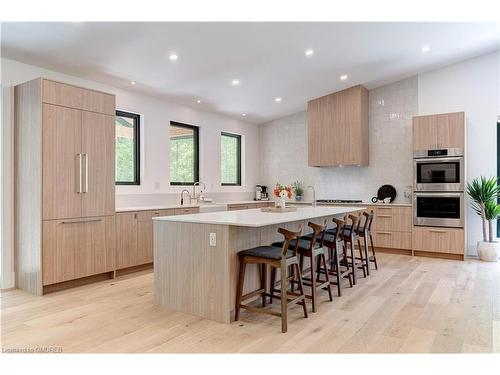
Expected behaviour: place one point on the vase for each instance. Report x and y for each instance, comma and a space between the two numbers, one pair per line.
298, 198
282, 202
488, 251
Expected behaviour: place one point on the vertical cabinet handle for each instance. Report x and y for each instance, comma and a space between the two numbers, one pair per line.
86, 173
79, 190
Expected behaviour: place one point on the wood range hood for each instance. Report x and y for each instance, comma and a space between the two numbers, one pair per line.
337, 129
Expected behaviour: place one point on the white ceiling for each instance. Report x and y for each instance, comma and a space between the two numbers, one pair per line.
267, 58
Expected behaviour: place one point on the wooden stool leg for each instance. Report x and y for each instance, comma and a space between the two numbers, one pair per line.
367, 257
301, 289
353, 264
239, 293
313, 283
292, 274
273, 282
362, 258
373, 252
327, 277
263, 282
346, 259
284, 298
336, 264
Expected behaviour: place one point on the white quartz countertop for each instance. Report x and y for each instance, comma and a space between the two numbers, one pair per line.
168, 206
256, 218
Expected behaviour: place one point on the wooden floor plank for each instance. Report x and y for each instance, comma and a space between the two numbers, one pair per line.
411, 304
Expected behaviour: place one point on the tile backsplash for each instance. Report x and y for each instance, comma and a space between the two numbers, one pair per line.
391, 109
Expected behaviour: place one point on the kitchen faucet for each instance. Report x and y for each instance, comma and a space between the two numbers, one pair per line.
182, 196
314, 195
194, 189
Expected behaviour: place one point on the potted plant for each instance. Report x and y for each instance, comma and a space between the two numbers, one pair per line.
282, 192
298, 188
484, 193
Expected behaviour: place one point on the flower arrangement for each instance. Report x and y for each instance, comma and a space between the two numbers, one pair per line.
282, 191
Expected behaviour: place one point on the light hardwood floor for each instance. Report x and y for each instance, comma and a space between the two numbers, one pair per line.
410, 304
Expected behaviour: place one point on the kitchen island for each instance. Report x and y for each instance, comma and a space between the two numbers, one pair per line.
195, 256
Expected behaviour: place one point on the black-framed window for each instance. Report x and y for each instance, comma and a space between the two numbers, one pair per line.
184, 154
127, 163
230, 159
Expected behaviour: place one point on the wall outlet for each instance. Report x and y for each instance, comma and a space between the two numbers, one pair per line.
213, 239
157, 186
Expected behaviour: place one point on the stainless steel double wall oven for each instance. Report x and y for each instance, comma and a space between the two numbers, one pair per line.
439, 181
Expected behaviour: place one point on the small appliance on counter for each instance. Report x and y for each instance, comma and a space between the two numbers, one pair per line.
261, 193
264, 195
258, 192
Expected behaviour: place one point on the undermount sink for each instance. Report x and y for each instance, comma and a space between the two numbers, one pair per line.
212, 207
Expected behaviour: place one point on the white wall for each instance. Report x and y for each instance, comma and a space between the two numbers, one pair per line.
155, 166
472, 86
391, 109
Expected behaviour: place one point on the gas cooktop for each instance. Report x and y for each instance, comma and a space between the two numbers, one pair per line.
339, 201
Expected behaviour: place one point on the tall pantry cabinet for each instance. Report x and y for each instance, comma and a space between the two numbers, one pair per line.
64, 184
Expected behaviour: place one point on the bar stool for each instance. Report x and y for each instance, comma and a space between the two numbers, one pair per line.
366, 234
278, 258
312, 247
350, 237
337, 252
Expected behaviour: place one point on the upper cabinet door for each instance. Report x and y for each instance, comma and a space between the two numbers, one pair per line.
61, 162
451, 130
313, 132
98, 148
425, 132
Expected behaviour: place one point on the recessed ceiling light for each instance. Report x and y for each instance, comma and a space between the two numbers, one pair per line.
243, 114
235, 82
425, 48
343, 77
198, 101
309, 52
132, 83
277, 100
173, 56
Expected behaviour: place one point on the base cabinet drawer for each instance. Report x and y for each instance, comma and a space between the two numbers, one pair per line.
439, 240
398, 219
186, 211
392, 240
234, 207
76, 248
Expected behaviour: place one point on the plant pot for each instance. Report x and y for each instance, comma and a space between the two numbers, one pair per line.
298, 198
488, 251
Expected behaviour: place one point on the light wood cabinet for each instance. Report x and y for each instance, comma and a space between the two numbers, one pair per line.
392, 227
338, 128
66, 95
98, 150
64, 160
439, 240
76, 248
78, 163
61, 133
439, 131
134, 235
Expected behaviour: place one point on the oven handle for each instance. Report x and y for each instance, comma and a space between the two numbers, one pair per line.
459, 159
444, 195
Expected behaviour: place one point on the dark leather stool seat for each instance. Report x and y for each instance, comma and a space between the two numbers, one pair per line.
304, 243
268, 252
